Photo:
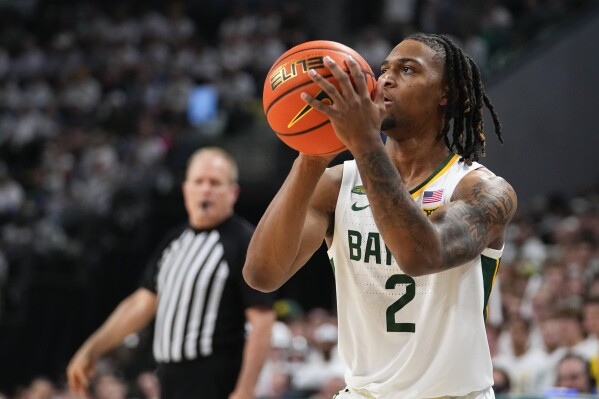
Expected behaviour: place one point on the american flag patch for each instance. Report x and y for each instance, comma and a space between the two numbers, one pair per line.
432, 196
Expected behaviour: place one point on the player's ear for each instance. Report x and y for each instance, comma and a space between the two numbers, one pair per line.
443, 99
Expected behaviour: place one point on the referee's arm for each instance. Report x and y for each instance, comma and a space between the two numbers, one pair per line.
131, 315
255, 352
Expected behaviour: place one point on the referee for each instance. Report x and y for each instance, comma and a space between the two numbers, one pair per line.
194, 289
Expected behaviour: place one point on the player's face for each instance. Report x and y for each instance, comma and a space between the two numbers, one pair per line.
413, 88
209, 191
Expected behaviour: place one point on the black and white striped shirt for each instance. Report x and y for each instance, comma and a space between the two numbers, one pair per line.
202, 296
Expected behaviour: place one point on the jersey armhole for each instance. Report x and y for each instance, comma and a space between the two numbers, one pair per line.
492, 253
347, 177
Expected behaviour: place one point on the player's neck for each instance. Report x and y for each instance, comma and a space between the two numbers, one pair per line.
416, 159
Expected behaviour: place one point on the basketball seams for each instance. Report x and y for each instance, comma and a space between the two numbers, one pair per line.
308, 82
364, 69
314, 134
303, 131
336, 50
283, 57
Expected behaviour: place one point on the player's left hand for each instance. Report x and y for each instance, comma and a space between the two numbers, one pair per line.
355, 114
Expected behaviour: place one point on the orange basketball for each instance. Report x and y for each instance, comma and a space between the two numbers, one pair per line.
295, 122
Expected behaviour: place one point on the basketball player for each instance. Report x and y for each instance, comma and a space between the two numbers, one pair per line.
195, 289
415, 227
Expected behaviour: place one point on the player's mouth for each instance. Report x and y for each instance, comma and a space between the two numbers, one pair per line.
387, 100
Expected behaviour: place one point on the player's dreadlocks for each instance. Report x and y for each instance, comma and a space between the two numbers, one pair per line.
465, 98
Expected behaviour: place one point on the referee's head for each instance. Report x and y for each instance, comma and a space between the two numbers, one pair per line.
210, 189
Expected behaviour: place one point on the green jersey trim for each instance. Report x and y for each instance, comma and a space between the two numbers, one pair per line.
490, 267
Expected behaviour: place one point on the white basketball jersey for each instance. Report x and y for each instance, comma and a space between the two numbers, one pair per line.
408, 337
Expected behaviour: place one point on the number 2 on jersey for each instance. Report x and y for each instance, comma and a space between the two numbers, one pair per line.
392, 325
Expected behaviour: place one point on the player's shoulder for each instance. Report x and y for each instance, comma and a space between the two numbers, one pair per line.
334, 175
483, 177
327, 189
484, 186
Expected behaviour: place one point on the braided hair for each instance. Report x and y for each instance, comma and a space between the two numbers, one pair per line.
466, 97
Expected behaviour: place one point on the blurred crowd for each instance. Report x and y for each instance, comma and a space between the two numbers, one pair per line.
101, 103
546, 332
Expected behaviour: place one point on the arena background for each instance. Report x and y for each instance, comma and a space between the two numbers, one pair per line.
541, 76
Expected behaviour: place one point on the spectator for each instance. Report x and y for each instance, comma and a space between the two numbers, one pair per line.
525, 365
501, 381
372, 46
148, 385
108, 386
573, 372
322, 363
41, 388
329, 388
572, 330
81, 93
594, 370
274, 378
12, 195
552, 340
590, 346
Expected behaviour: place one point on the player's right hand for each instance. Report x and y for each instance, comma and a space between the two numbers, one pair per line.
79, 372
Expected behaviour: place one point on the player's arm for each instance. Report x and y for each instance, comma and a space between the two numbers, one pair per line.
482, 206
131, 315
294, 224
255, 352
456, 233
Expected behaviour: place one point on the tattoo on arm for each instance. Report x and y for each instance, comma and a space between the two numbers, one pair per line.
396, 208
466, 226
